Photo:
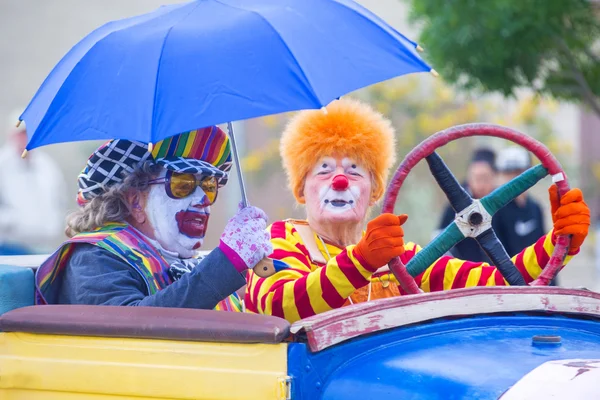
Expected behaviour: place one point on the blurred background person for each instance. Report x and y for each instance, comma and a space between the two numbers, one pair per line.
31, 196
522, 219
517, 223
481, 181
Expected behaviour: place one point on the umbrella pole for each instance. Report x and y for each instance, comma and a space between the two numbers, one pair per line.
238, 167
265, 267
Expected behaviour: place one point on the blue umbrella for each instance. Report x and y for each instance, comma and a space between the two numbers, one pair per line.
208, 62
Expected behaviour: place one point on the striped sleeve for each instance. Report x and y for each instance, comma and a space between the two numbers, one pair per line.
451, 273
305, 288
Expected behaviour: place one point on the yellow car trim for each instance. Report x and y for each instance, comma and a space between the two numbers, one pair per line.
44, 367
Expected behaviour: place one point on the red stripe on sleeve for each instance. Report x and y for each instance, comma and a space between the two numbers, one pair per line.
277, 305
460, 280
486, 272
278, 230
302, 300
256, 289
408, 254
498, 278
350, 271
302, 248
250, 306
276, 288
362, 261
540, 252
280, 254
521, 266
436, 278
330, 293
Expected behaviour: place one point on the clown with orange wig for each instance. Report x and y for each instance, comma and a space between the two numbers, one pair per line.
337, 164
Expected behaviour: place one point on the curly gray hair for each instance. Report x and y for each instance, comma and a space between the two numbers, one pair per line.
111, 206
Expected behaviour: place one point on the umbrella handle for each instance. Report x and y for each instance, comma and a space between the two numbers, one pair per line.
265, 267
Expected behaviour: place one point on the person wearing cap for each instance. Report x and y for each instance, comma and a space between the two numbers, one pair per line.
480, 181
142, 220
522, 220
32, 196
337, 163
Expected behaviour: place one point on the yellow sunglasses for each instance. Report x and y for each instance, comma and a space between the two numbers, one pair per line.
181, 185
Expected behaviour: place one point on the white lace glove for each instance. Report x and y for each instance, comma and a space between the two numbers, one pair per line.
245, 241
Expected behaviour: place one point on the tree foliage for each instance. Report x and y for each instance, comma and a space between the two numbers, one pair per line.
550, 46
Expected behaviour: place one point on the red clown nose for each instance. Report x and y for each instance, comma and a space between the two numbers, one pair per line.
339, 183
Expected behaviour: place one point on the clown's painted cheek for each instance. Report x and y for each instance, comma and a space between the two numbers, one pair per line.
179, 224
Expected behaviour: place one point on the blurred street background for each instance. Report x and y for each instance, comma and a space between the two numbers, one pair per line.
534, 67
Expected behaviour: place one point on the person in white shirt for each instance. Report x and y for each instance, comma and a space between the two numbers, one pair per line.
32, 196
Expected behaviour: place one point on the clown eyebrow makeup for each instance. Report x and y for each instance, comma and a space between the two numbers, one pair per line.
351, 167
325, 166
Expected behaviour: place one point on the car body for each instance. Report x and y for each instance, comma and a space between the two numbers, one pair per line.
469, 343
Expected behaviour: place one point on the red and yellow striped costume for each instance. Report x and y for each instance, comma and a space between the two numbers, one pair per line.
308, 288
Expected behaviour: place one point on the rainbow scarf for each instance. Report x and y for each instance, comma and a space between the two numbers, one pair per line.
129, 245
231, 303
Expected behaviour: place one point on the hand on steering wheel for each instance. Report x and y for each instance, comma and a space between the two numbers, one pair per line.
474, 216
570, 215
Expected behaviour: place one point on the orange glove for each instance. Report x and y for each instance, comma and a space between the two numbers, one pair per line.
570, 215
383, 240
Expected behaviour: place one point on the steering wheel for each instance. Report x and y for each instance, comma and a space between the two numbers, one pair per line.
474, 216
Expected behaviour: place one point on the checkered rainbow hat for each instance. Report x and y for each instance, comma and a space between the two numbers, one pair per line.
203, 151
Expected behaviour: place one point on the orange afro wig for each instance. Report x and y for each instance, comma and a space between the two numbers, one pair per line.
349, 128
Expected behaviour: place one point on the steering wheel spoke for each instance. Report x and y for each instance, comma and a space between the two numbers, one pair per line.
438, 246
491, 245
457, 196
510, 190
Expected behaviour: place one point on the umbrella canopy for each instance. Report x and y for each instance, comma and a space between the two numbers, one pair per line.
207, 62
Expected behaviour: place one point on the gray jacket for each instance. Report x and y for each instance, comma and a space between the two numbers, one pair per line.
97, 277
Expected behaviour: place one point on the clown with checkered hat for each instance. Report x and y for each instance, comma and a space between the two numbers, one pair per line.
142, 219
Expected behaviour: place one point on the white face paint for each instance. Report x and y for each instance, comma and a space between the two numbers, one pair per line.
179, 224
338, 202
337, 190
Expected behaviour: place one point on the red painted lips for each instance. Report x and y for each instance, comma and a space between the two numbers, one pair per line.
191, 223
